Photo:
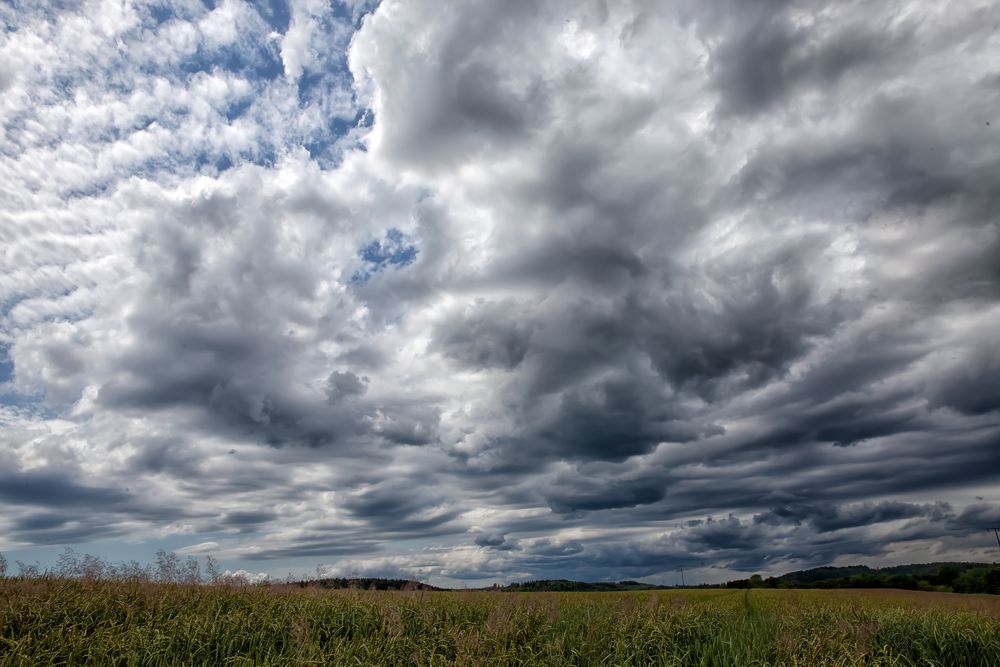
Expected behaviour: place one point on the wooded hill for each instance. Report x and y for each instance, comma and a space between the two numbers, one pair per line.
957, 577
954, 577
371, 584
555, 585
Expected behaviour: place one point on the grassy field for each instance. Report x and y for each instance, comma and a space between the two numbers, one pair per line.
65, 622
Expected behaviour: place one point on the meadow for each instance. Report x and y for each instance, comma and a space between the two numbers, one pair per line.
52, 621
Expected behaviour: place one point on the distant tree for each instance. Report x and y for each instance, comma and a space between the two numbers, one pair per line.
946, 576
93, 568
971, 581
67, 563
167, 566
28, 570
992, 581
3, 565
190, 571
212, 569
134, 571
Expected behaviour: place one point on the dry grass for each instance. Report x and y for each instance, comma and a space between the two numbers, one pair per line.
981, 604
72, 622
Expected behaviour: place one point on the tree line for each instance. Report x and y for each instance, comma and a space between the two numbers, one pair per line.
937, 577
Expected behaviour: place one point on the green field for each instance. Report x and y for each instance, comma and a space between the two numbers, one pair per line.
67, 622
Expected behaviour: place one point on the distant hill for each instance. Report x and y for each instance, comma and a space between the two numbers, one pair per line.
542, 585
956, 577
371, 584
559, 585
918, 569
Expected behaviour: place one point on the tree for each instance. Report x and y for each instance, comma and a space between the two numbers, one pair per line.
167, 565
212, 569
190, 571
28, 570
992, 581
946, 576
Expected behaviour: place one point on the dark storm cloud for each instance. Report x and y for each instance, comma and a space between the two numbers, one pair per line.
39, 521
769, 541
549, 548
315, 548
69, 532
214, 337
496, 541
486, 335
218, 368
612, 288
395, 510
171, 456
772, 332
746, 477
251, 518
611, 419
342, 384
970, 383
54, 489
598, 264
843, 422
363, 357
408, 424
460, 97
906, 151
826, 518
750, 316
53, 506
392, 500
608, 494
737, 325
760, 57
979, 516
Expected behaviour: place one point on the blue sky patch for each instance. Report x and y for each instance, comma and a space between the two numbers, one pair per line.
394, 249
6, 365
275, 12
161, 13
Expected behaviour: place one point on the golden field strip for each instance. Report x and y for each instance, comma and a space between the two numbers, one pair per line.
70, 622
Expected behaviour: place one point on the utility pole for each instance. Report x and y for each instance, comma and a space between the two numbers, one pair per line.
997, 533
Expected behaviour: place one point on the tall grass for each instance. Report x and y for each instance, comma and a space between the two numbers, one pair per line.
73, 622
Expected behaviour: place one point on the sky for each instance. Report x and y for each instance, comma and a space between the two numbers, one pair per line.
491, 291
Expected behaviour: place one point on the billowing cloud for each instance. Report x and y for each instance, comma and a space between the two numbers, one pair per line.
504, 289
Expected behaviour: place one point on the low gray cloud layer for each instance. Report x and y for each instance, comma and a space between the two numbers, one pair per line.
507, 289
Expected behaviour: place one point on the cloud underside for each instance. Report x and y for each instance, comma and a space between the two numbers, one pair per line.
602, 288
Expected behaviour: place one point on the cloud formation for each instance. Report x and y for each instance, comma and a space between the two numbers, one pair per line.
503, 290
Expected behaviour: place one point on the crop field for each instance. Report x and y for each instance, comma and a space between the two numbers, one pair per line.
69, 622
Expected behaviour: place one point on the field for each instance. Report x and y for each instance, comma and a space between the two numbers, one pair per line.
67, 622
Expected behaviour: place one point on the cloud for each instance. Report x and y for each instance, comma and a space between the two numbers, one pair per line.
205, 548
504, 290
607, 494
496, 541
54, 490
245, 576
763, 54
828, 518
483, 335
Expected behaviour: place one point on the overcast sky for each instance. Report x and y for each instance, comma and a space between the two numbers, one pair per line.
481, 291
